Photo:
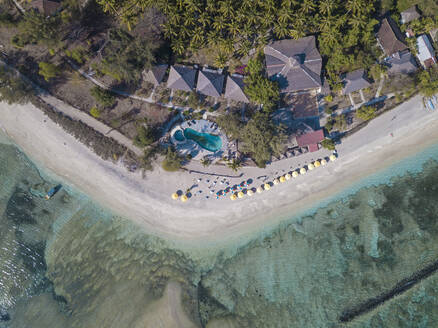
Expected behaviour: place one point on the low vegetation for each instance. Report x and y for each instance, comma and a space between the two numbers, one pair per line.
48, 70
145, 136
13, 89
328, 144
427, 81
173, 161
95, 112
102, 96
366, 113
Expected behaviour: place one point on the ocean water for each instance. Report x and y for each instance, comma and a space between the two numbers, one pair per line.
363, 259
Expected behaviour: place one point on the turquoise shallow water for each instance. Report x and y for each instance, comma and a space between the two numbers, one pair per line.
68, 262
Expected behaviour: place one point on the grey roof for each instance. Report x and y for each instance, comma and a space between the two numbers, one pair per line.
156, 74
390, 37
294, 64
354, 81
234, 89
181, 78
409, 15
402, 63
210, 83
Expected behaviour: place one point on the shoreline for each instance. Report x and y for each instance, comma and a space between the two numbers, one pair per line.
147, 201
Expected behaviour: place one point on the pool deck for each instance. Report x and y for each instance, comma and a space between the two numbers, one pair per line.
191, 147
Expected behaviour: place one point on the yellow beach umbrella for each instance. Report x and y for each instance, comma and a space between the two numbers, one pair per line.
175, 196
267, 186
233, 197
250, 192
311, 166
317, 164
294, 174
303, 170
288, 176
332, 157
276, 182
240, 194
259, 190
323, 162
282, 179
184, 198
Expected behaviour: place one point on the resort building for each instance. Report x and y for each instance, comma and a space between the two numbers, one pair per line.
311, 140
210, 83
409, 15
390, 38
426, 53
354, 81
156, 74
294, 64
181, 78
234, 88
401, 63
46, 7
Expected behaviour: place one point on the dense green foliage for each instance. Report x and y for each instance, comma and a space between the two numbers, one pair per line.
260, 137
13, 89
328, 144
344, 29
78, 54
125, 57
258, 87
47, 70
172, 162
366, 113
35, 28
336, 123
145, 136
427, 81
102, 96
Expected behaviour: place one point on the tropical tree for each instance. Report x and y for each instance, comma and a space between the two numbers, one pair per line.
234, 164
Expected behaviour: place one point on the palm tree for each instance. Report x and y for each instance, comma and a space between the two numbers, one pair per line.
307, 6
326, 7
205, 161
281, 30
234, 164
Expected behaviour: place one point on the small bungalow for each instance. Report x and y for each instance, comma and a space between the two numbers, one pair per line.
234, 88
181, 78
401, 63
156, 74
390, 38
409, 15
311, 140
294, 64
46, 7
426, 53
210, 83
354, 81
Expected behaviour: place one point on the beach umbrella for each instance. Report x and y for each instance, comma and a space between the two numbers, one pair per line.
282, 179
233, 197
303, 170
311, 166
288, 176
175, 196
240, 194
184, 198
294, 174
250, 192
317, 164
323, 162
267, 186
259, 190
276, 182
332, 157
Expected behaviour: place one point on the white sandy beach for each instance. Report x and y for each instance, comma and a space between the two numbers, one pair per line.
147, 201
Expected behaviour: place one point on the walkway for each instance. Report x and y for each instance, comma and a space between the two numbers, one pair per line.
78, 115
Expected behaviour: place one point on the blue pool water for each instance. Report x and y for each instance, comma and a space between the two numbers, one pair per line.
179, 135
207, 141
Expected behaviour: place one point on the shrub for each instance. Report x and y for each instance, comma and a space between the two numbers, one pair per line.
145, 136
47, 70
172, 162
78, 54
95, 112
328, 144
13, 89
366, 113
328, 98
102, 96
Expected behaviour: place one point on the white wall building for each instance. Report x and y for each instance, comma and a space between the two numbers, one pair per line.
426, 53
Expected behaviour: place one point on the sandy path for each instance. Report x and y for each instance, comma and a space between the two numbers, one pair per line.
147, 201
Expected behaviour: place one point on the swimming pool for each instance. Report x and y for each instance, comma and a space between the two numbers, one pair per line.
178, 135
207, 141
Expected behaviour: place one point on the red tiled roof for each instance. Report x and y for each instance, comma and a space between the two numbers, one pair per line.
310, 138
313, 147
